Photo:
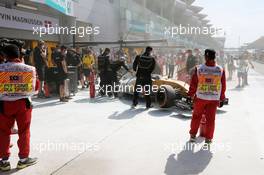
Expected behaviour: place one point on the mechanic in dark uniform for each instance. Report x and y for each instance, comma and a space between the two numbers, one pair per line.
105, 71
60, 61
192, 61
41, 64
143, 65
115, 67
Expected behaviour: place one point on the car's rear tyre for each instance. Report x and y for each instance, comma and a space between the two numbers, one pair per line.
166, 96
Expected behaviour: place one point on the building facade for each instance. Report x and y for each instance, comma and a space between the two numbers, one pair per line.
115, 19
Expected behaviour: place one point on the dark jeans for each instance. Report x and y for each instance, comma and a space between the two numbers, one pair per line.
115, 82
105, 80
146, 84
171, 71
41, 71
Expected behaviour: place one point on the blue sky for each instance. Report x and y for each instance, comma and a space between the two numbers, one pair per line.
242, 19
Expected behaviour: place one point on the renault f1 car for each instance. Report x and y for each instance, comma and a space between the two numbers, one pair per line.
169, 92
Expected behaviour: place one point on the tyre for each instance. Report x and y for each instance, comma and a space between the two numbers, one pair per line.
166, 96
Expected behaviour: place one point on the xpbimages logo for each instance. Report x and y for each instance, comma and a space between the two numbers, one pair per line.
117, 88
59, 30
174, 31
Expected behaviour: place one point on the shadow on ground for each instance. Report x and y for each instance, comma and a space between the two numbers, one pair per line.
53, 103
237, 89
12, 171
96, 100
127, 114
220, 111
171, 112
188, 162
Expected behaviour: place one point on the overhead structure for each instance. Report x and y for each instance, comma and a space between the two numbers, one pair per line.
258, 44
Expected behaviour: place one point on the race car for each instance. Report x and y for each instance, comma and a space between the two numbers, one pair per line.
170, 92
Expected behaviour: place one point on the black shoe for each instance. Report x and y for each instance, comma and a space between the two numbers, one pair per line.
133, 106
192, 139
5, 166
208, 141
63, 100
41, 96
68, 98
27, 163
149, 107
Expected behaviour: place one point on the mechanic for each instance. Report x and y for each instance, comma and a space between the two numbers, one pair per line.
105, 71
116, 65
191, 62
41, 64
60, 61
16, 106
207, 89
143, 65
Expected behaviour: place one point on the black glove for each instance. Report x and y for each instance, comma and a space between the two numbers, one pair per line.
189, 100
28, 104
1, 107
221, 104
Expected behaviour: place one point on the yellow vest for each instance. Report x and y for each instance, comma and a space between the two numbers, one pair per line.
209, 82
88, 61
17, 81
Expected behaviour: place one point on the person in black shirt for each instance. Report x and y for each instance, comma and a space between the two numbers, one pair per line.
104, 72
60, 60
192, 61
143, 65
41, 63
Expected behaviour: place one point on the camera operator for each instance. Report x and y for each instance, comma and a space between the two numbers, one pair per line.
20, 83
41, 64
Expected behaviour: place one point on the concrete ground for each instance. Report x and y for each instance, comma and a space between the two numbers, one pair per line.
105, 137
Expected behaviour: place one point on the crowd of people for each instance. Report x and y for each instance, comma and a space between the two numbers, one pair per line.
88, 63
180, 65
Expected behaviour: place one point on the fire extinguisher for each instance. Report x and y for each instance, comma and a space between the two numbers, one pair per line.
46, 89
92, 84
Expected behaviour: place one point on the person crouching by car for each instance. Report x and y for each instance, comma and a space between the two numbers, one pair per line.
21, 83
208, 86
60, 60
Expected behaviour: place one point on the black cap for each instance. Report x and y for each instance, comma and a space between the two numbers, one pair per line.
63, 47
149, 49
12, 51
107, 50
210, 53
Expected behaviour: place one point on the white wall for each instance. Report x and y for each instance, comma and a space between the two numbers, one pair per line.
100, 13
